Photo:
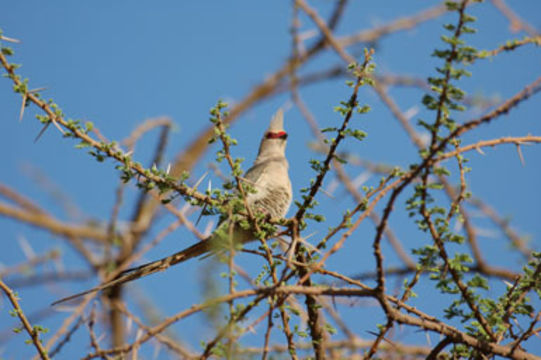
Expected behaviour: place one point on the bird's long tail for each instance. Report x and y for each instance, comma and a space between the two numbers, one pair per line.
149, 268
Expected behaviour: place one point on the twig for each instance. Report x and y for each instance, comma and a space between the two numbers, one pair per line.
511, 45
503, 224
516, 23
20, 199
33, 332
67, 338
489, 143
30, 263
47, 222
264, 292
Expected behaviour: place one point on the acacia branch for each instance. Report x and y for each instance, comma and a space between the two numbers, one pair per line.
47, 222
33, 332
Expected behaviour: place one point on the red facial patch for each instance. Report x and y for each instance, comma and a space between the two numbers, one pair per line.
276, 135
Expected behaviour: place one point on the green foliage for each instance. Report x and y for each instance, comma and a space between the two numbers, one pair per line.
40, 329
451, 271
346, 109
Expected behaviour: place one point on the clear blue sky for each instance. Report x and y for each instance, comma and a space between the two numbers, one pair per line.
119, 63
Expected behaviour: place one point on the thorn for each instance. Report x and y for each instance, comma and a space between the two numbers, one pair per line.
519, 151
11, 40
251, 329
247, 180
361, 179
37, 90
209, 189
411, 112
485, 232
458, 226
428, 339
425, 138
58, 127
478, 149
200, 215
184, 209
23, 105
65, 308
310, 246
326, 193
139, 334
333, 185
208, 229
101, 337
26, 247
157, 349
129, 153
310, 235
58, 265
308, 34
168, 169
198, 182
303, 241
41, 132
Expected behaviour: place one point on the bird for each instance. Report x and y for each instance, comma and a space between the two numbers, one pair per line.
271, 195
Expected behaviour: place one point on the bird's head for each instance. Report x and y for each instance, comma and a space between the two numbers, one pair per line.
275, 138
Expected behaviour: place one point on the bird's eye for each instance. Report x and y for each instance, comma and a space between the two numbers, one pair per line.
276, 135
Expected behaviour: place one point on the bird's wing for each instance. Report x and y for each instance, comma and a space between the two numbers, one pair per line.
255, 177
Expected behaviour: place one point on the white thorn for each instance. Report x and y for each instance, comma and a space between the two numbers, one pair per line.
26, 247
198, 182
21, 113
37, 90
333, 185
100, 338
138, 334
411, 112
11, 40
520, 156
361, 179
129, 324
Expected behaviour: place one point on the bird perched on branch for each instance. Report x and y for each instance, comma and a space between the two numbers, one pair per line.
272, 193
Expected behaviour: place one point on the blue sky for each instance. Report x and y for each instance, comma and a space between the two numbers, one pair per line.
117, 64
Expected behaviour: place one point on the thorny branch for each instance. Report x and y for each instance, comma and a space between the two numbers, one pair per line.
303, 269
33, 332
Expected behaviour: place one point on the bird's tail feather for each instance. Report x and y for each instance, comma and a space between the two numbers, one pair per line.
138, 272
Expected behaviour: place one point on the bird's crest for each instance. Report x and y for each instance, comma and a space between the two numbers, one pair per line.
277, 122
